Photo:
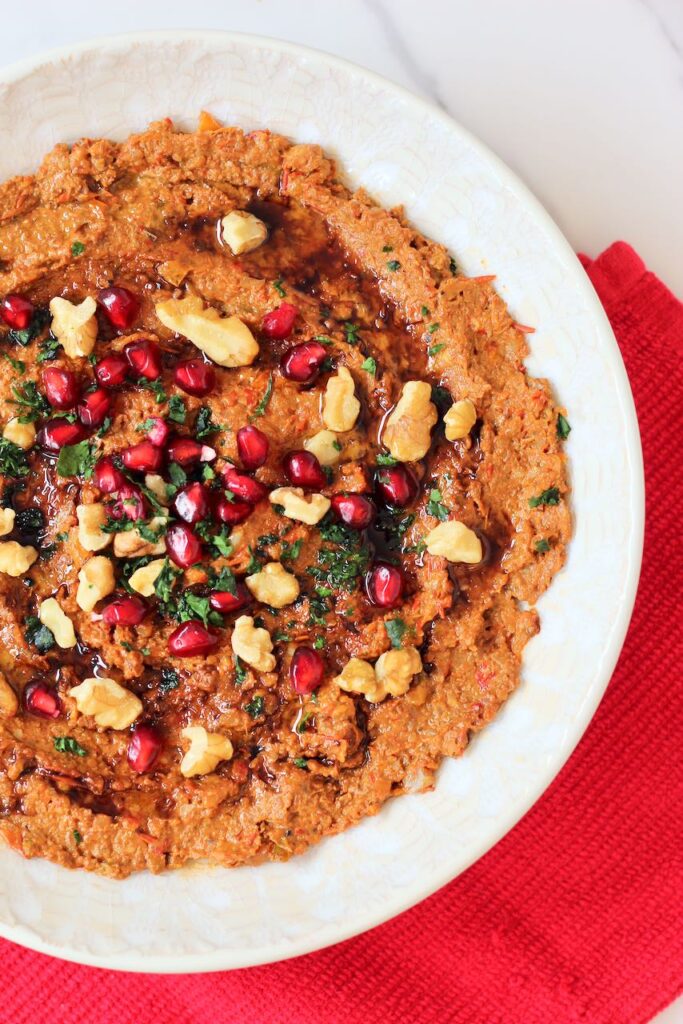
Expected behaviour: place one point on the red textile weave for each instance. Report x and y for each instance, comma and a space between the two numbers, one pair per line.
575, 916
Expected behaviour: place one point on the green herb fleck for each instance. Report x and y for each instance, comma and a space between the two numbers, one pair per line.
323, 339
169, 680
68, 745
290, 552
395, 629
177, 474
542, 546
240, 671
176, 409
39, 635
12, 459
302, 724
277, 285
156, 387
77, 248
18, 365
301, 762
433, 328
263, 404
222, 543
255, 706
351, 332
76, 460
24, 335
48, 349
31, 402
204, 424
435, 349
551, 496
563, 428
393, 265
370, 365
452, 266
384, 459
319, 643
387, 248
435, 506
78, 838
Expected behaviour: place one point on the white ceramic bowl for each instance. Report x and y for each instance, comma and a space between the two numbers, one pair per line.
404, 151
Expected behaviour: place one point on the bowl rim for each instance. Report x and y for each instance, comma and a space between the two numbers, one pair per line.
332, 934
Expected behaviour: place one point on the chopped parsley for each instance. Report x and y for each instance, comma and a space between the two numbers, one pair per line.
68, 745
263, 404
551, 496
435, 505
395, 630
351, 332
277, 285
384, 459
25, 335
156, 387
255, 706
369, 365
48, 349
435, 349
394, 525
204, 424
542, 546
240, 671
339, 567
563, 428
301, 762
33, 405
78, 838
39, 635
290, 552
176, 409
77, 248
169, 680
165, 582
393, 265
18, 365
319, 643
12, 459
323, 339
222, 543
302, 724
225, 581
425, 311
76, 460
433, 328
177, 474
387, 248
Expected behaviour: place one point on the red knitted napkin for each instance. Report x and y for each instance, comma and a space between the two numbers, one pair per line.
575, 916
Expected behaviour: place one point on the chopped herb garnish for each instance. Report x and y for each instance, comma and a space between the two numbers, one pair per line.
106, 424
255, 706
384, 459
435, 506
551, 496
77, 460
425, 311
393, 265
542, 546
78, 838
433, 328
387, 248
165, 582
240, 671
563, 428
177, 474
303, 722
254, 563
68, 745
323, 339
290, 552
395, 629
222, 543
319, 643
25, 335
370, 365
48, 349
301, 762
39, 635
12, 459
204, 424
452, 266
351, 332
208, 472
340, 567
77, 248
263, 404
337, 445
32, 403
176, 409
169, 680
18, 365
435, 349
277, 285
156, 387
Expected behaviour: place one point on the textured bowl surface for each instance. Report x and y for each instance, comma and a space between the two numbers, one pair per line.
403, 151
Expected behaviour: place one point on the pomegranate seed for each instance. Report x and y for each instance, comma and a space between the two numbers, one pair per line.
306, 670
61, 387
302, 363
192, 503
144, 358
16, 311
354, 510
112, 371
94, 408
129, 503
195, 377
183, 545
57, 433
233, 512
144, 457
252, 447
124, 611
188, 453
304, 470
279, 322
158, 432
144, 746
225, 602
191, 640
243, 486
107, 477
384, 585
397, 485
42, 700
120, 306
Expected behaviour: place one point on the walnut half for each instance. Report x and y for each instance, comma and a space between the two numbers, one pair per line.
207, 750
109, 703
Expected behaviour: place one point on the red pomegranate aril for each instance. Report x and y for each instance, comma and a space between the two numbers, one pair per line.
124, 611
129, 502
243, 486
195, 377
306, 670
193, 503
384, 585
188, 453
302, 363
107, 477
94, 407
144, 358
279, 322
304, 470
57, 433
226, 603
120, 306
112, 371
61, 387
252, 447
17, 312
233, 512
183, 545
191, 640
144, 746
158, 431
42, 700
144, 457
354, 510
397, 485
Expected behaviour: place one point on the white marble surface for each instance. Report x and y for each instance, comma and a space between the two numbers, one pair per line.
584, 98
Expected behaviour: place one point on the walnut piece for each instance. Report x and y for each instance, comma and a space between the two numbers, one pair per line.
109, 703
207, 750
95, 581
6, 521
325, 446
52, 615
253, 645
16, 559
225, 340
157, 485
74, 325
407, 434
460, 419
91, 519
340, 405
131, 543
454, 541
243, 232
358, 676
21, 434
391, 675
305, 508
9, 704
142, 580
273, 585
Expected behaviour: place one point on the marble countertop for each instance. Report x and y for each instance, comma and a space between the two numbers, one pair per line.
584, 99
